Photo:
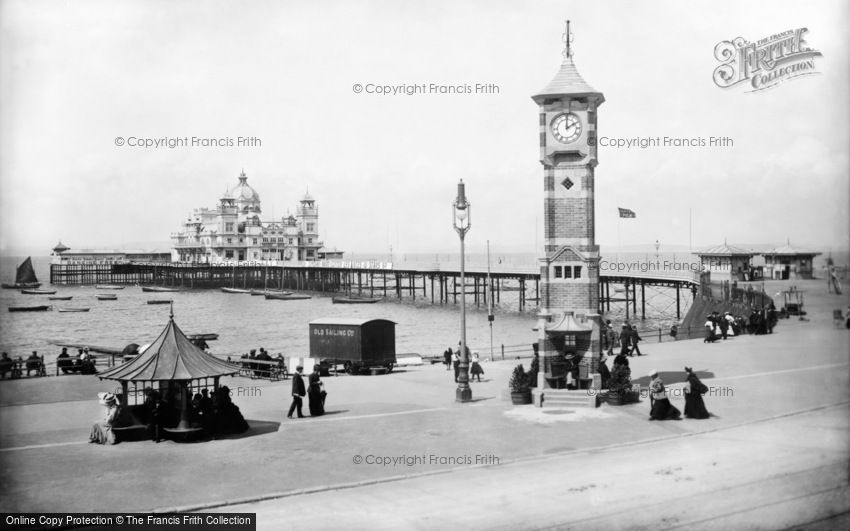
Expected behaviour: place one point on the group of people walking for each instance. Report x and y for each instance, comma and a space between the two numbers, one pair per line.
662, 409
315, 392
759, 322
627, 339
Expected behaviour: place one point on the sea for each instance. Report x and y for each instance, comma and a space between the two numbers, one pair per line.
244, 322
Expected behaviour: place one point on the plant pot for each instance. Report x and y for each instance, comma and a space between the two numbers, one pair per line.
521, 397
614, 399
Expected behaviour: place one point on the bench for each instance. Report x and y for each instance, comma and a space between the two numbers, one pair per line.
17, 367
134, 432
267, 369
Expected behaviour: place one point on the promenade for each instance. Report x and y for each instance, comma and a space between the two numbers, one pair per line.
397, 452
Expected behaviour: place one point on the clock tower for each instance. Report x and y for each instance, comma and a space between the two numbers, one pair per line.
569, 335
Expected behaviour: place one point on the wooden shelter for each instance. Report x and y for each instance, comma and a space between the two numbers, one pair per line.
173, 362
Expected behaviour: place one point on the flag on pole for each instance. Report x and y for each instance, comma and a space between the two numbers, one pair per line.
626, 213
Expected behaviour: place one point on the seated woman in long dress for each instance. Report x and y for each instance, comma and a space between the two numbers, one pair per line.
661, 408
101, 432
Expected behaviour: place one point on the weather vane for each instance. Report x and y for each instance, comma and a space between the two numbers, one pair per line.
567, 37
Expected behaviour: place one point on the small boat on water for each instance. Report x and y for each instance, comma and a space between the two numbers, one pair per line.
107, 297
38, 291
29, 308
273, 291
71, 310
159, 301
287, 297
355, 300
235, 290
206, 337
108, 286
24, 277
158, 289
61, 298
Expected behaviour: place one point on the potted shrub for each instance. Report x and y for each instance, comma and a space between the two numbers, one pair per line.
619, 386
518, 384
531, 375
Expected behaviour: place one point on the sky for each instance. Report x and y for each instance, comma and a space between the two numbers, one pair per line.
383, 168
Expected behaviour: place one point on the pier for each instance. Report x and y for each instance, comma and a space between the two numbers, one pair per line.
435, 283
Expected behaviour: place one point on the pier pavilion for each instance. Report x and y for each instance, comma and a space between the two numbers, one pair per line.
234, 231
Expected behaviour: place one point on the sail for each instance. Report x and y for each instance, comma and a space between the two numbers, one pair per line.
26, 274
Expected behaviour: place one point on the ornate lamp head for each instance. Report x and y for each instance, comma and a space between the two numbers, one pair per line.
461, 211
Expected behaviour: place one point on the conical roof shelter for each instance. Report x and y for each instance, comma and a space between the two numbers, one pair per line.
171, 357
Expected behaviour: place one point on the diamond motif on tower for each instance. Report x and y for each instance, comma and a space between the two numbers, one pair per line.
567, 183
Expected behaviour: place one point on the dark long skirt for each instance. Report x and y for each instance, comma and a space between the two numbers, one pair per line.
663, 410
695, 407
317, 400
604, 374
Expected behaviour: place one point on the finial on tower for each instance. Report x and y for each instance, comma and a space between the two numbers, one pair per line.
567, 37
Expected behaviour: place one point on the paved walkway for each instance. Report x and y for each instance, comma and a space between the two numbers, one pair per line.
727, 478
45, 463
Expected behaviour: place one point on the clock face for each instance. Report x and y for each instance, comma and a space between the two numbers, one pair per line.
566, 127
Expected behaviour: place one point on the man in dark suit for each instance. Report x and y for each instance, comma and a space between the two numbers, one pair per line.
298, 391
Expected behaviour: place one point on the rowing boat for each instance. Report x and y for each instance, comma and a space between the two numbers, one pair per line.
61, 298
355, 300
108, 286
235, 290
107, 297
70, 310
28, 308
287, 297
272, 291
158, 289
159, 301
38, 291
209, 336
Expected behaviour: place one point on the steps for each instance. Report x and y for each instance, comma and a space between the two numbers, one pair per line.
570, 399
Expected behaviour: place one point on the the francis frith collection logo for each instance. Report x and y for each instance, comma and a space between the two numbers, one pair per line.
764, 63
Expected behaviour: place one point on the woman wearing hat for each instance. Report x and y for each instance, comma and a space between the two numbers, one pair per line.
604, 373
661, 408
694, 389
101, 432
476, 369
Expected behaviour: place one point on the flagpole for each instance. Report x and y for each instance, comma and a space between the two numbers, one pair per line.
691, 229
619, 242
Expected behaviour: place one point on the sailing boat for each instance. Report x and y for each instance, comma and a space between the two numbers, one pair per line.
25, 277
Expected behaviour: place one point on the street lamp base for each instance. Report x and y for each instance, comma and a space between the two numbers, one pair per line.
463, 395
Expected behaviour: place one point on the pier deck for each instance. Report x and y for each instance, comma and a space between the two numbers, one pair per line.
437, 283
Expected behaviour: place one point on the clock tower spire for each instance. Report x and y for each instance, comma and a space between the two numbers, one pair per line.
569, 330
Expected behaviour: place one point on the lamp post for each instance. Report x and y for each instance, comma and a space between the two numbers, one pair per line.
657, 247
461, 221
